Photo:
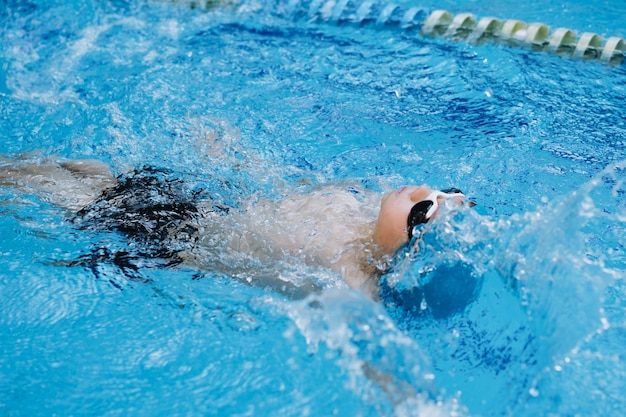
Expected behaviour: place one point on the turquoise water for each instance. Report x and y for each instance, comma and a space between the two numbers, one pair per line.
270, 98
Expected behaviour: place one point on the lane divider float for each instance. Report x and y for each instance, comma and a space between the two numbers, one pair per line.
538, 37
535, 36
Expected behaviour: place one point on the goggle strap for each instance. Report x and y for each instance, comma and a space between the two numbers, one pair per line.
434, 196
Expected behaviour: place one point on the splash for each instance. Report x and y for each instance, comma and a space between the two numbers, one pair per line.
385, 367
509, 303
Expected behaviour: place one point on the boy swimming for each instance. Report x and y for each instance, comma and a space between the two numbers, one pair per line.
332, 227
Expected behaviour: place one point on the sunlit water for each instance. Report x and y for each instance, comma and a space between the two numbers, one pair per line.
264, 99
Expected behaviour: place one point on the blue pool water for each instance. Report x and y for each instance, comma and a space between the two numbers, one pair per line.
268, 97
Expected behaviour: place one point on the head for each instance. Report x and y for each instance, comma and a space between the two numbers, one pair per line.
403, 209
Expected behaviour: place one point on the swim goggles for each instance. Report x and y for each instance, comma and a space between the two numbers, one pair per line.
424, 210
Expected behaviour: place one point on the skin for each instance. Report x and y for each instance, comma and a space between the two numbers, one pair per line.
390, 231
69, 184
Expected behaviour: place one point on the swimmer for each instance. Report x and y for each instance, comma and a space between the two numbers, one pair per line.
341, 229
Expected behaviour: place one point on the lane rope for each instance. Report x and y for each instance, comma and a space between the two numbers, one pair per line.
467, 27
535, 36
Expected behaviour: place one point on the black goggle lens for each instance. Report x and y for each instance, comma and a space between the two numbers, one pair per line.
418, 215
419, 211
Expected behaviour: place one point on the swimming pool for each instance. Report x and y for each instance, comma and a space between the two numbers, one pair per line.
270, 97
